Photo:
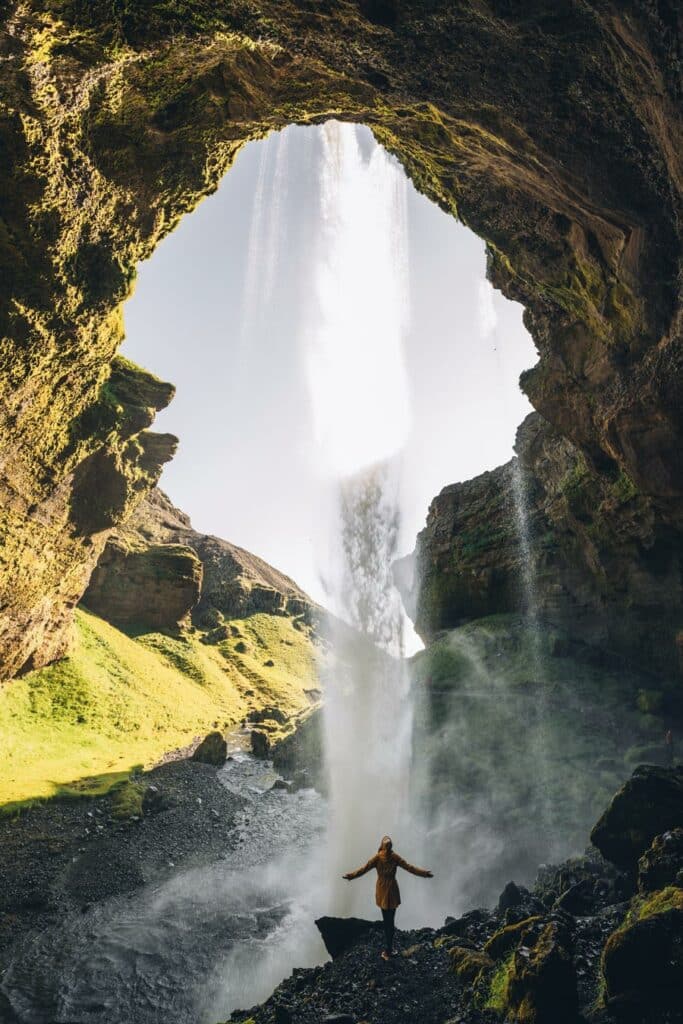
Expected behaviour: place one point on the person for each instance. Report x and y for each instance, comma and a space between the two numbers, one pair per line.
387, 893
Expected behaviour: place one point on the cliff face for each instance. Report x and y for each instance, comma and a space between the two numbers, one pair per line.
551, 129
597, 559
157, 569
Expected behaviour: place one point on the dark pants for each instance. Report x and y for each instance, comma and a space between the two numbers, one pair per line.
388, 918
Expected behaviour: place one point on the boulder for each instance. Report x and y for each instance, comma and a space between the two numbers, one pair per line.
260, 744
341, 933
510, 897
542, 985
510, 937
650, 803
302, 750
212, 750
642, 962
662, 864
469, 964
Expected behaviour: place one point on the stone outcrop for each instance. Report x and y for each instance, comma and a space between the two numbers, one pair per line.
153, 587
662, 864
552, 130
549, 535
53, 536
650, 803
158, 551
340, 933
157, 572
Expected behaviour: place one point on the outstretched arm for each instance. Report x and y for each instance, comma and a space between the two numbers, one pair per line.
361, 871
411, 867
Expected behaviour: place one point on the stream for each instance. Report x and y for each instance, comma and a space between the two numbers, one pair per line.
197, 946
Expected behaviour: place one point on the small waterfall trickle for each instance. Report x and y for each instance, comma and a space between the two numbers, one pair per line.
540, 737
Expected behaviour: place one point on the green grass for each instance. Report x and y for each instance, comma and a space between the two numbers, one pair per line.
81, 725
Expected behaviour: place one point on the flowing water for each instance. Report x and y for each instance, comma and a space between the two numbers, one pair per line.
191, 949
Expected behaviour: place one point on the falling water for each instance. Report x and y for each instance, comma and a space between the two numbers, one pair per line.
265, 233
361, 415
540, 736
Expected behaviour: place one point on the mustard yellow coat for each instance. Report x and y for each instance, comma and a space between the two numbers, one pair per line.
387, 892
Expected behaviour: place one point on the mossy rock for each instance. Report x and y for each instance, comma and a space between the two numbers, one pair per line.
541, 980
469, 964
509, 937
642, 962
126, 800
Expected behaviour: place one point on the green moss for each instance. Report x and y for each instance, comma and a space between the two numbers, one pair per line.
508, 938
126, 800
497, 998
573, 483
670, 898
469, 964
623, 489
119, 701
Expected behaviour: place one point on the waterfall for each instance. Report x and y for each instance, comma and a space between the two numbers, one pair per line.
361, 417
265, 234
540, 735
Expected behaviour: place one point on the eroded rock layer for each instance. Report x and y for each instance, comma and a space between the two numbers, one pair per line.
552, 129
157, 569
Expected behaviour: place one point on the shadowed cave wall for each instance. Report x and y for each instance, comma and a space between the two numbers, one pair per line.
551, 129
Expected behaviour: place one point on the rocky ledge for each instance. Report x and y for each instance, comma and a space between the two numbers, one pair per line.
157, 571
590, 941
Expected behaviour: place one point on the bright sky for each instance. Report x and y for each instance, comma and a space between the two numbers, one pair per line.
295, 333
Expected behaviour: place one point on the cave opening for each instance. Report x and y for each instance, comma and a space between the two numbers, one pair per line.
223, 311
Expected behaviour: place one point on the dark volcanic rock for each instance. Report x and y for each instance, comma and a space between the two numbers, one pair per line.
341, 933
643, 964
542, 987
650, 803
662, 864
212, 750
260, 743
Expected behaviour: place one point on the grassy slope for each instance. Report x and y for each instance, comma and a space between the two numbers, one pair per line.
116, 702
